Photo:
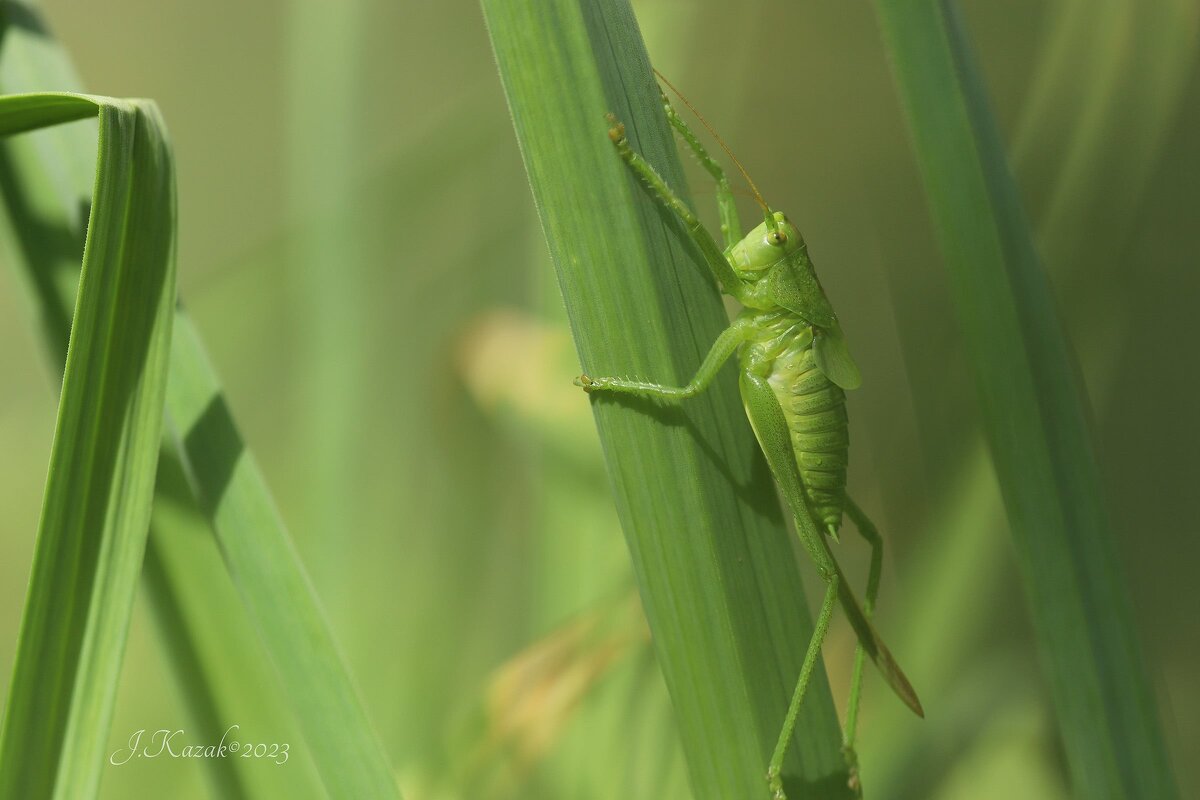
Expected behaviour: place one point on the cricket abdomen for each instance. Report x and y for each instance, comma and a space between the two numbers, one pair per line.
815, 410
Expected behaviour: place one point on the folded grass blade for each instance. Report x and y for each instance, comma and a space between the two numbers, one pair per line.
96, 509
257, 549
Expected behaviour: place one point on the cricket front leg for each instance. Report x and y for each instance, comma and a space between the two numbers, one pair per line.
731, 226
725, 346
666, 197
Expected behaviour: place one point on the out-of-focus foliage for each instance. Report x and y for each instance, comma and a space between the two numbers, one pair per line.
1034, 412
460, 533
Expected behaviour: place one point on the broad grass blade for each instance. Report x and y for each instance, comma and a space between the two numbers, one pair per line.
715, 565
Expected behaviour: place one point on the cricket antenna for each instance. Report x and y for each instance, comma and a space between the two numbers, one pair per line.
774, 226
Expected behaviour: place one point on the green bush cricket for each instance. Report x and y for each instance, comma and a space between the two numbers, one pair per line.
794, 366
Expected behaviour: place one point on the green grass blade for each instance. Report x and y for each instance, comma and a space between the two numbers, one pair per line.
1110, 133
1033, 412
270, 578
714, 563
275, 589
189, 659
221, 672
39, 225
96, 510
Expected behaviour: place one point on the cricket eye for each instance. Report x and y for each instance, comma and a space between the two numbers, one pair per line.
777, 238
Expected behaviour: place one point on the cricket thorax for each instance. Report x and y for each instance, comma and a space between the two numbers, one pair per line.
813, 407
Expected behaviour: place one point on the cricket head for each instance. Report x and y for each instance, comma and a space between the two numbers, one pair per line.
775, 259
765, 246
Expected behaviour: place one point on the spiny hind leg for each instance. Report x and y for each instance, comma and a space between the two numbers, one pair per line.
731, 226
770, 426
868, 532
775, 768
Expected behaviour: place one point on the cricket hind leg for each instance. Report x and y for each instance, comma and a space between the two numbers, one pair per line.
870, 533
731, 226
775, 768
774, 437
